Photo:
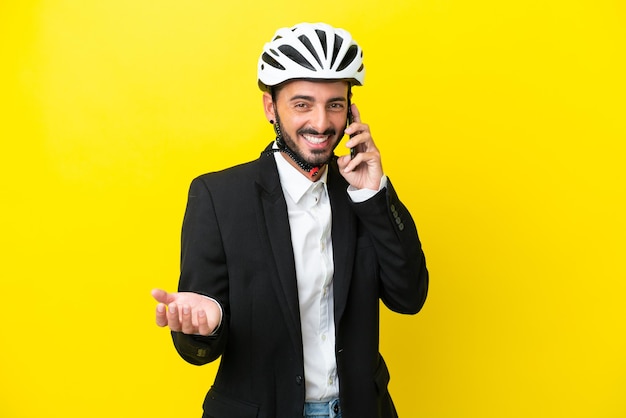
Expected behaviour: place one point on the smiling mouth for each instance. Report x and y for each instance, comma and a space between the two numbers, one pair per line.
316, 140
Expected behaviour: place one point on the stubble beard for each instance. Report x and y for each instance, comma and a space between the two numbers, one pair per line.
314, 157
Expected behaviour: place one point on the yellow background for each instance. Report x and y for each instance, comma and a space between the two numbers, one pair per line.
502, 125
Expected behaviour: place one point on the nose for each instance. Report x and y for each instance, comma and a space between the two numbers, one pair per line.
320, 119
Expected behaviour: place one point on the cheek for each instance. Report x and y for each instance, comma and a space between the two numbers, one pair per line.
339, 121
294, 123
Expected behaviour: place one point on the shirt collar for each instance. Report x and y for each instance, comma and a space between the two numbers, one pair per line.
292, 181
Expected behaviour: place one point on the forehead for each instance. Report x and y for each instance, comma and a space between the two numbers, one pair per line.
318, 90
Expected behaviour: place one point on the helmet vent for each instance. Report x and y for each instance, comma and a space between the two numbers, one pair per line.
322, 36
295, 56
348, 58
337, 47
307, 43
271, 61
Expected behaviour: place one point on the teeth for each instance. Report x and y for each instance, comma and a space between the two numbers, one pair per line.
315, 139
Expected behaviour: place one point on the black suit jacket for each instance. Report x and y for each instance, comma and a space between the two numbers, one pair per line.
236, 248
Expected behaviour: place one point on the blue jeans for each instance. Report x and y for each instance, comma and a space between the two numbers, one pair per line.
322, 409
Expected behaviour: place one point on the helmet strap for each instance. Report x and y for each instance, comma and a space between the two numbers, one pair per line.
313, 170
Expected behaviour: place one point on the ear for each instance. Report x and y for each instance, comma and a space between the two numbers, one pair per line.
268, 106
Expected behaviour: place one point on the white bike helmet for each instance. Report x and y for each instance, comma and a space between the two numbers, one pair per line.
311, 51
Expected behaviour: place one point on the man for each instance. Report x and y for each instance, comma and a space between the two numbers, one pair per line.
285, 258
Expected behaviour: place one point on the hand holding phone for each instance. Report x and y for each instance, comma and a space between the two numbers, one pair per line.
363, 168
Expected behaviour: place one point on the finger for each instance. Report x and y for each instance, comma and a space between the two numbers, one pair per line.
350, 164
356, 116
162, 296
172, 318
187, 321
347, 164
203, 323
161, 315
359, 134
343, 161
356, 143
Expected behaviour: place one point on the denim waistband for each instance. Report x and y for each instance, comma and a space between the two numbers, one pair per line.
327, 409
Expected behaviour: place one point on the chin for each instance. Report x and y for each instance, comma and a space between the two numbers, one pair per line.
315, 158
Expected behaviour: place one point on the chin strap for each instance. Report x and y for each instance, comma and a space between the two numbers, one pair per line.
313, 170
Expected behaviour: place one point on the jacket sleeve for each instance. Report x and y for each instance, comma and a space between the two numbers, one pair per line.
203, 271
403, 273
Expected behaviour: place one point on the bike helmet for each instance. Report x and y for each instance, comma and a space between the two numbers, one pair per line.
312, 51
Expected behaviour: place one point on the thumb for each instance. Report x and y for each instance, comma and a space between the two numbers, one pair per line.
343, 161
162, 296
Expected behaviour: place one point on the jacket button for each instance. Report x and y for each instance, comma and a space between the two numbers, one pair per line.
299, 380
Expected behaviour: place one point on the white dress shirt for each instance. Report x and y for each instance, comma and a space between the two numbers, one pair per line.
310, 220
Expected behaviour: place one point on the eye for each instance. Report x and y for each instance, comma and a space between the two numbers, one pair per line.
336, 106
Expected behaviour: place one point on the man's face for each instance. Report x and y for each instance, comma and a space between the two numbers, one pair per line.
312, 117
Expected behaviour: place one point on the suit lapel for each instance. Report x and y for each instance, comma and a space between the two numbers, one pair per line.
344, 238
273, 221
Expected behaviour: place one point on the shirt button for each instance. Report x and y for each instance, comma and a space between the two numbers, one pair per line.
323, 337
299, 380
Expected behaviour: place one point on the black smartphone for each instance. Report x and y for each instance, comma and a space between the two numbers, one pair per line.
353, 150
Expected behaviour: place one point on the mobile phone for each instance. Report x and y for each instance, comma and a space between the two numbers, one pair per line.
353, 150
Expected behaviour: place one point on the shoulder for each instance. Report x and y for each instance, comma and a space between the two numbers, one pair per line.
240, 177
231, 174
226, 188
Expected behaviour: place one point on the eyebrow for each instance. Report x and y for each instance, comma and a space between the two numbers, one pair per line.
312, 99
